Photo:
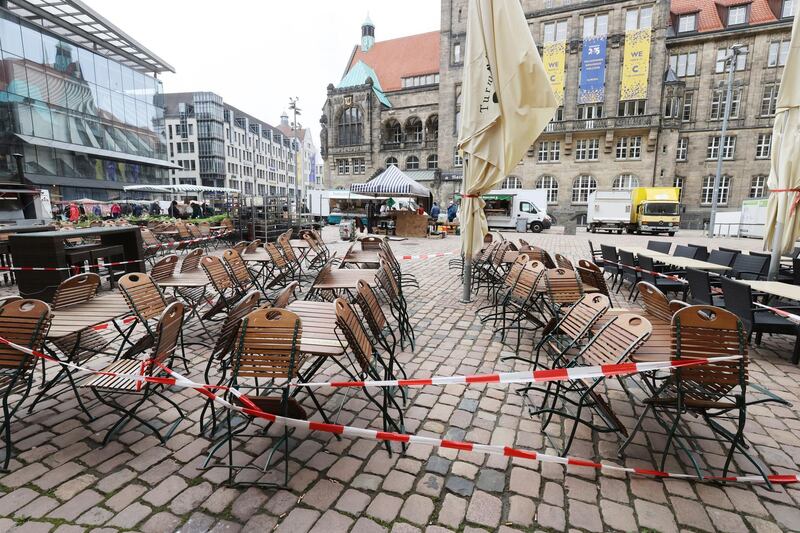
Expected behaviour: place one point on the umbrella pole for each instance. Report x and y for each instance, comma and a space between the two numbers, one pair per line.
775, 258
466, 297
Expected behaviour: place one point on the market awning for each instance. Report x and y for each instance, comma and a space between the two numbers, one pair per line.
491, 196
98, 152
180, 189
391, 182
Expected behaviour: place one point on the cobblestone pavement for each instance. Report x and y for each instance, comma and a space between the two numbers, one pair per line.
62, 479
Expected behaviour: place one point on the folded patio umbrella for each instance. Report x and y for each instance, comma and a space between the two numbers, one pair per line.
783, 224
507, 104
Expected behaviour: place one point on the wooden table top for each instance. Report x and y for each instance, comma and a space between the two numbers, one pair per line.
319, 328
345, 278
191, 280
298, 243
259, 256
361, 256
775, 288
680, 262
98, 310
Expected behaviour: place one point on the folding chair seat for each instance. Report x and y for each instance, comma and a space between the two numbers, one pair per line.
23, 322
107, 387
570, 400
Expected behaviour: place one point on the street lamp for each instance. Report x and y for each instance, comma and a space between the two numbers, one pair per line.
730, 61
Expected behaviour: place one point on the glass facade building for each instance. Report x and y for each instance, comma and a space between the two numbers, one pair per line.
86, 125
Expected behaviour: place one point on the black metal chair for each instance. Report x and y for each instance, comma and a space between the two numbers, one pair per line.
610, 263
663, 284
596, 254
721, 257
700, 288
685, 251
662, 247
702, 251
747, 266
630, 273
738, 298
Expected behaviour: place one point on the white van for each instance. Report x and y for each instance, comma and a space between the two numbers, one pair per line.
507, 208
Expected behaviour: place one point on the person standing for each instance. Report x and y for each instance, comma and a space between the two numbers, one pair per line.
115, 210
173, 210
196, 211
435, 211
452, 211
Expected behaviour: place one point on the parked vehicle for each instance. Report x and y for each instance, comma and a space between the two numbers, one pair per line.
334, 206
642, 210
504, 207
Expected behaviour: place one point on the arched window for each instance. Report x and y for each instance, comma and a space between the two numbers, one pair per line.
550, 184
413, 130
758, 186
351, 128
707, 192
433, 161
393, 132
432, 128
412, 162
391, 162
582, 187
511, 182
625, 182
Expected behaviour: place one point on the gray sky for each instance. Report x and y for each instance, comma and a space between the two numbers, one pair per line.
258, 53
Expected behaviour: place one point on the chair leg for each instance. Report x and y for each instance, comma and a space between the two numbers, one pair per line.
6, 433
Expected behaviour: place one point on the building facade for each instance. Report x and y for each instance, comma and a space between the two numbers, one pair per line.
641, 101
307, 155
85, 110
217, 145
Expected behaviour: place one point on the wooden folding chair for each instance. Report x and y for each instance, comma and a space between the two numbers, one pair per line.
563, 262
564, 288
107, 387
281, 272
285, 296
292, 261
164, 268
397, 303
245, 281
592, 276
23, 322
224, 284
370, 243
521, 304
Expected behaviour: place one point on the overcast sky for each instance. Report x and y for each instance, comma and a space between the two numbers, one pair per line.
258, 54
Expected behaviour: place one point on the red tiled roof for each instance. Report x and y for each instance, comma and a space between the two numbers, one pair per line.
709, 12
395, 59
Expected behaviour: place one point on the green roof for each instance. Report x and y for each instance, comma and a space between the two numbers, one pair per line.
358, 75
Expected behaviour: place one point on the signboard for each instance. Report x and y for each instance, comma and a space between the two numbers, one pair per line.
554, 58
592, 85
636, 65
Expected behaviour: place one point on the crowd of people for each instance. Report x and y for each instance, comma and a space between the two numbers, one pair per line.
73, 211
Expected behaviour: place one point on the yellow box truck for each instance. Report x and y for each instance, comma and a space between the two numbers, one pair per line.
655, 210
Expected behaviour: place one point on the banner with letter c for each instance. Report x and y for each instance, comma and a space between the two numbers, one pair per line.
636, 65
592, 85
554, 58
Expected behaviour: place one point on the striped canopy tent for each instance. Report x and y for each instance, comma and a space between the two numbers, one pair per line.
181, 189
391, 182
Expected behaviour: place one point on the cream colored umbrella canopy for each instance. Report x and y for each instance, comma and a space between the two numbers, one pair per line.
507, 102
783, 223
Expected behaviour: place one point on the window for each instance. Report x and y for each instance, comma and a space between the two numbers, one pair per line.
718, 98
350, 127
412, 162
688, 100
555, 31
433, 161
639, 18
457, 110
458, 159
550, 184
684, 64
625, 182
764, 146
558, 116
629, 147
672, 107
391, 162
413, 130
359, 165
582, 187
712, 151
631, 108
511, 182
687, 23
682, 150
679, 181
769, 98
590, 111
787, 9
741, 59
549, 151
394, 133
758, 187
343, 166
457, 52
737, 15
420, 81
595, 26
778, 52
587, 149
707, 192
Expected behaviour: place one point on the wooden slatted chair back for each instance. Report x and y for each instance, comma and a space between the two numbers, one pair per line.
195, 231
541, 255
316, 246
253, 246
164, 267
655, 302
370, 243
284, 297
303, 232
516, 269
275, 255
237, 267
143, 295
564, 287
583, 315
593, 278
350, 325
487, 253
23, 322
76, 290
216, 273
226, 338
269, 345
706, 331
240, 246
617, 340
589, 265
149, 238
524, 244
500, 252
527, 280
286, 248
168, 333
191, 262
370, 308
183, 231
387, 281
205, 229
564, 263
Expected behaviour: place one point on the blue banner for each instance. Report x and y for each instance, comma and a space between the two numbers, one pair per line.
592, 85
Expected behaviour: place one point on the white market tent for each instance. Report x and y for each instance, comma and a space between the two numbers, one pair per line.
391, 182
180, 189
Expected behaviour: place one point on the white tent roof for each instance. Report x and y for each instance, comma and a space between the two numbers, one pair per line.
391, 182
179, 189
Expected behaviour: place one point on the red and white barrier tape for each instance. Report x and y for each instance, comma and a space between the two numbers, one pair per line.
536, 376
651, 272
125, 321
73, 267
791, 317
252, 410
424, 256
